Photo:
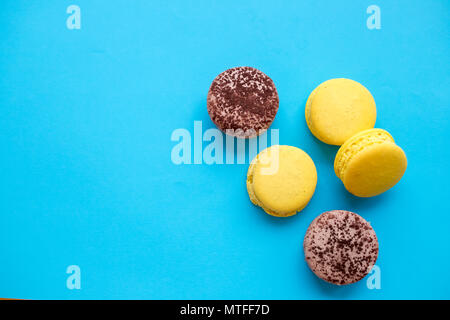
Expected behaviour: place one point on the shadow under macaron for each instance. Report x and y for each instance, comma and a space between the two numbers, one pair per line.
361, 204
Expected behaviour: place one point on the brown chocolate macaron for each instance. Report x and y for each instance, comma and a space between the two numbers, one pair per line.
340, 247
242, 102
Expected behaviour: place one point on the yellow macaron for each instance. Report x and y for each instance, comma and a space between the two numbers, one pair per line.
369, 163
281, 180
339, 108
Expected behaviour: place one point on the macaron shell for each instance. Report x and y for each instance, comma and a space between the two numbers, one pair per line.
242, 102
340, 247
339, 108
282, 180
374, 169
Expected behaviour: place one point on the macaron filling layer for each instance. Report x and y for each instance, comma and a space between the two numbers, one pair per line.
356, 144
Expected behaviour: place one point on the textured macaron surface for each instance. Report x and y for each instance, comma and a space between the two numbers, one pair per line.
281, 180
370, 163
340, 247
242, 101
339, 108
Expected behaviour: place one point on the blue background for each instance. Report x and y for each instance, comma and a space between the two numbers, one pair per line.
86, 174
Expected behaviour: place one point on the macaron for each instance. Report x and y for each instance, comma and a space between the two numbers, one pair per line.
340, 247
281, 180
339, 108
370, 163
242, 102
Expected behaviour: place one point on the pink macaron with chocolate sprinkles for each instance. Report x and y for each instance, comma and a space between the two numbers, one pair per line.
242, 102
340, 247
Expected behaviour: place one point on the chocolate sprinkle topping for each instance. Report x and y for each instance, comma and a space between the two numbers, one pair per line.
340, 247
243, 100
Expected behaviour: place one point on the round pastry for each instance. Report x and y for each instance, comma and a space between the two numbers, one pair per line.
340, 247
242, 102
369, 163
281, 180
339, 108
